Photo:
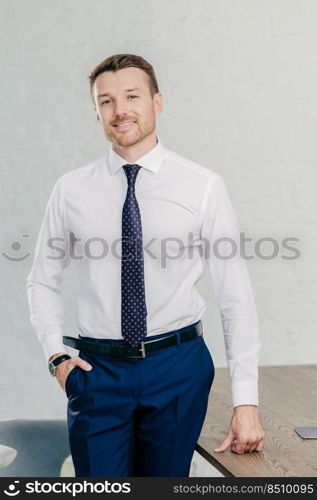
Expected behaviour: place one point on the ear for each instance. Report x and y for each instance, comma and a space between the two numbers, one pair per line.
158, 103
97, 116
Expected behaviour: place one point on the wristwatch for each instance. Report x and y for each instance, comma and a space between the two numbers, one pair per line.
53, 364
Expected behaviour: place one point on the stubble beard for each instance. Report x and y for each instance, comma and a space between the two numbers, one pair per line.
137, 137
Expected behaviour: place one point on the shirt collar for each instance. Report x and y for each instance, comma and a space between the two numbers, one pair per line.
151, 160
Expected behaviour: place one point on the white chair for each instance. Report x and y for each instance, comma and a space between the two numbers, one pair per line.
7, 455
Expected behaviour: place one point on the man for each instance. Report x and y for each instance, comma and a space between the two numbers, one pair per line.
138, 390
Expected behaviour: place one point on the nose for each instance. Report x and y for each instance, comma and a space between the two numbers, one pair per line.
121, 107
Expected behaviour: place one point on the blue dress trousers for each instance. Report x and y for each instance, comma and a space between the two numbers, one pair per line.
130, 417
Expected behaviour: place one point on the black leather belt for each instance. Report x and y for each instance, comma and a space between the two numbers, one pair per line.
125, 350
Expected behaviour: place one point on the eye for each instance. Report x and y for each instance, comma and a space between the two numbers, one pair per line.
105, 102
133, 96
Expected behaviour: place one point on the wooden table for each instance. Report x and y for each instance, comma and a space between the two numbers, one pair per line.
288, 397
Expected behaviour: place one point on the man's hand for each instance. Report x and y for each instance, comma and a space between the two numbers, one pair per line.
65, 367
245, 433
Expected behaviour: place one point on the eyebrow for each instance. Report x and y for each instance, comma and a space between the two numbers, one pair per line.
126, 90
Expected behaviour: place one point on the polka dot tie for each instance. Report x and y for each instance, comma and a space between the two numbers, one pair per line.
133, 306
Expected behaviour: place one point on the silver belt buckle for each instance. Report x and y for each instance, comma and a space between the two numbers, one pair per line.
142, 349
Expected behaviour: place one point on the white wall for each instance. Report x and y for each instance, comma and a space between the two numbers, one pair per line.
239, 84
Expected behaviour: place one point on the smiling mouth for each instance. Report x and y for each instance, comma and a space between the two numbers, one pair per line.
124, 125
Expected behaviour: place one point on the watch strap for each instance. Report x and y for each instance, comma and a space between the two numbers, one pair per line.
59, 359
55, 362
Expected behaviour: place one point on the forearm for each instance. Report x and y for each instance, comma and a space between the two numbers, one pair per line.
235, 301
47, 317
241, 333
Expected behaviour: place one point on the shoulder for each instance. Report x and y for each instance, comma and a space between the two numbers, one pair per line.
190, 167
81, 174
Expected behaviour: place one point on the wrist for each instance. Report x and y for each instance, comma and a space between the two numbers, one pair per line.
54, 356
57, 360
241, 408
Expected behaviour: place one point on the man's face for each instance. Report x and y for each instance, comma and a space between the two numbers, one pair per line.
125, 108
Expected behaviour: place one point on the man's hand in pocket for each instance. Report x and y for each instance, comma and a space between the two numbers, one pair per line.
65, 367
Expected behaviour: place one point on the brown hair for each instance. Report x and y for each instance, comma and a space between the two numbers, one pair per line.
120, 61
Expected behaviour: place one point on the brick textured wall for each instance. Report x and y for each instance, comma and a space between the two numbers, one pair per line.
239, 85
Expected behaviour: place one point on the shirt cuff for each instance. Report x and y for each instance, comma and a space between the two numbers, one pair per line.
52, 344
245, 393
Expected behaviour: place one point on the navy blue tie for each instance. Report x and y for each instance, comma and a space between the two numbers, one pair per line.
133, 306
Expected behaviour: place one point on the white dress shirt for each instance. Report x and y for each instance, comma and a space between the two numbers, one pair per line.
183, 206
